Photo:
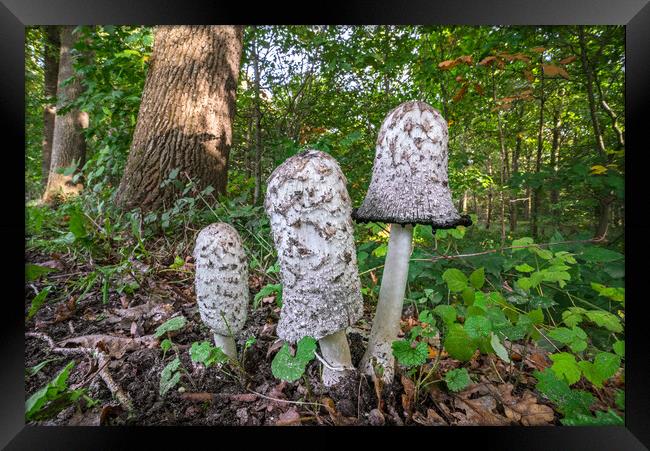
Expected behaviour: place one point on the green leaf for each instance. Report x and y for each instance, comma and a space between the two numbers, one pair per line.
408, 355
457, 379
207, 354
569, 402
565, 366
573, 316
35, 272
619, 348
619, 399
268, 290
458, 343
499, 349
604, 366
468, 295
446, 312
524, 268
477, 278
609, 418
170, 376
166, 344
38, 302
170, 325
50, 392
456, 280
77, 224
478, 327
605, 319
600, 254
289, 368
525, 241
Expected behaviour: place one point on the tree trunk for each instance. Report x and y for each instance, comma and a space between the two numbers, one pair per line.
555, 147
515, 168
68, 142
51, 72
534, 217
257, 114
503, 161
186, 114
488, 214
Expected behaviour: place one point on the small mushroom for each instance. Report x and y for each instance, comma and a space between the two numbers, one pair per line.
309, 209
221, 283
409, 186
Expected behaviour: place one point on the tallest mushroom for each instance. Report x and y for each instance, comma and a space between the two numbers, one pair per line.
409, 186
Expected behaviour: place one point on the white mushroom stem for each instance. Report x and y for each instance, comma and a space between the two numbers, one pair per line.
227, 345
385, 326
336, 354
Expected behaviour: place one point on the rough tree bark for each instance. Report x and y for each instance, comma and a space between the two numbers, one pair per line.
51, 73
515, 168
68, 142
186, 114
537, 192
257, 117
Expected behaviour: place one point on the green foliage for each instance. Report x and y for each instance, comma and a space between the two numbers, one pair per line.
35, 272
457, 379
170, 376
456, 280
269, 290
171, 325
604, 366
410, 353
291, 368
55, 396
207, 354
458, 343
38, 302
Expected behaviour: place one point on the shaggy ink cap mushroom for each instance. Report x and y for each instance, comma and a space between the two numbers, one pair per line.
310, 214
221, 283
409, 182
409, 186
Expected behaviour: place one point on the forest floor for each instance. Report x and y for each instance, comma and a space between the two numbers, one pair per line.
115, 342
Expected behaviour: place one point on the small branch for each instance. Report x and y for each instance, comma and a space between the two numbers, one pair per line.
333, 368
285, 400
103, 360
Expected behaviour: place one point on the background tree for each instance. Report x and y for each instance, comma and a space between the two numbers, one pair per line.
68, 143
51, 72
186, 114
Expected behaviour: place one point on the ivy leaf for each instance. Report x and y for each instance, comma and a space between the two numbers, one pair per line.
408, 355
456, 280
565, 366
477, 278
290, 368
499, 349
170, 325
458, 344
478, 327
170, 376
457, 379
207, 354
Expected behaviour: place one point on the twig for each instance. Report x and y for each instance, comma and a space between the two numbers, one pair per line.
285, 400
102, 359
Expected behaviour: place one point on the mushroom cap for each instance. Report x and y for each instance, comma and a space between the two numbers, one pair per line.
309, 209
221, 279
409, 182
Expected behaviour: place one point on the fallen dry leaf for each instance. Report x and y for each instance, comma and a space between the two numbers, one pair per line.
408, 395
432, 419
115, 346
524, 409
289, 418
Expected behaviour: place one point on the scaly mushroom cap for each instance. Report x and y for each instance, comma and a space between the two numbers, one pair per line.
221, 278
409, 182
309, 208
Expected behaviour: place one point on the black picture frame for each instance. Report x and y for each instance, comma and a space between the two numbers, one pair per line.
16, 14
